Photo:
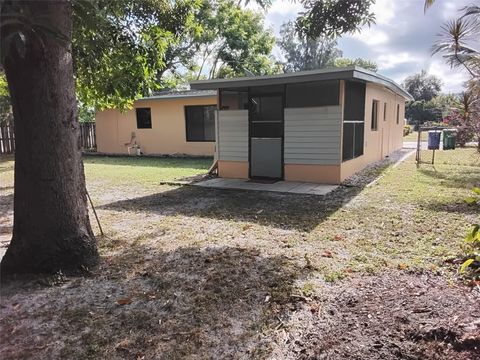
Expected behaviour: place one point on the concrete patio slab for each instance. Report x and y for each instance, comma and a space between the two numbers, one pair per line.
289, 187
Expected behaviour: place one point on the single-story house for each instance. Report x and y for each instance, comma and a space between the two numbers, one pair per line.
317, 126
172, 122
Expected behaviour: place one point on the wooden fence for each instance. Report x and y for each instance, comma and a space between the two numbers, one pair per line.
7, 138
88, 136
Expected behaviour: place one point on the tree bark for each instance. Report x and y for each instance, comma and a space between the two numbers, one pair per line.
51, 229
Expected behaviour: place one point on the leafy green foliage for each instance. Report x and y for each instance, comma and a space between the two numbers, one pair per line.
124, 49
234, 41
471, 266
85, 113
363, 63
422, 111
422, 86
303, 53
6, 115
457, 41
118, 46
333, 18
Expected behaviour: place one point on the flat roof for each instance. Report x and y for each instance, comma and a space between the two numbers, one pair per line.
176, 94
345, 73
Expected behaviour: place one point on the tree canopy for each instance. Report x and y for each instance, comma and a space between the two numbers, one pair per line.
366, 64
124, 49
333, 18
119, 45
304, 53
423, 86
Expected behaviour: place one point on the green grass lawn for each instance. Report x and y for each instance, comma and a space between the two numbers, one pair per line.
413, 136
141, 170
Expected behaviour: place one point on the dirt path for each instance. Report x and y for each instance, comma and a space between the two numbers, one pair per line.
392, 316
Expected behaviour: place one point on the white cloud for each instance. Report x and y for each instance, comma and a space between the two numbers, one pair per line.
372, 36
385, 11
452, 79
399, 41
390, 61
288, 9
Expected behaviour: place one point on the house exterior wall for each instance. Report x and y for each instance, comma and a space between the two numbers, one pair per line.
167, 135
313, 139
389, 135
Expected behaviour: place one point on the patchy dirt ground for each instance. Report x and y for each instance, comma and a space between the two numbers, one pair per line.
191, 273
394, 316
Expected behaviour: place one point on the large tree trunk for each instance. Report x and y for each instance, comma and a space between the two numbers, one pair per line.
51, 229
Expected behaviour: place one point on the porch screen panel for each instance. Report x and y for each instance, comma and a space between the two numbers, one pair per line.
312, 94
353, 120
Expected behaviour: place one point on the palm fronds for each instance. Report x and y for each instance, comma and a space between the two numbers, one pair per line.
428, 3
454, 45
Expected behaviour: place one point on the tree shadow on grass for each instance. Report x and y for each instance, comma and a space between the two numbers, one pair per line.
465, 178
458, 207
285, 211
188, 303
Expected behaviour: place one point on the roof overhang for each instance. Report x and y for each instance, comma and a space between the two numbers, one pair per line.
180, 96
346, 73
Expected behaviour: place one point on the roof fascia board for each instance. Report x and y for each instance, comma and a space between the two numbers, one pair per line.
166, 97
368, 76
351, 72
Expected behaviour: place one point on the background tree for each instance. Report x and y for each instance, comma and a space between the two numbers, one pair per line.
366, 64
240, 42
422, 86
418, 112
51, 228
119, 46
333, 18
304, 53
6, 115
456, 44
457, 40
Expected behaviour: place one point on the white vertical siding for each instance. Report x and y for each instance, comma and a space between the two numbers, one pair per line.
232, 135
312, 135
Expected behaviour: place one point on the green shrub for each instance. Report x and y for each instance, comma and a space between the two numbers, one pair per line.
471, 264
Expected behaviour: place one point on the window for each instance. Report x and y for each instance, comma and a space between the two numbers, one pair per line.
398, 114
374, 125
353, 120
384, 111
200, 122
144, 118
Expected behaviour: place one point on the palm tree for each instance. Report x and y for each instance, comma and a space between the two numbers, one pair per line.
428, 3
455, 41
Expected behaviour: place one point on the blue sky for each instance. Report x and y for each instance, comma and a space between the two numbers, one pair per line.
399, 42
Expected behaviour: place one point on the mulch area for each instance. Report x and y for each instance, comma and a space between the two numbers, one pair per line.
392, 316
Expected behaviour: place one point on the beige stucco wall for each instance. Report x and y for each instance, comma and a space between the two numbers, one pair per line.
388, 137
322, 174
167, 135
233, 169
